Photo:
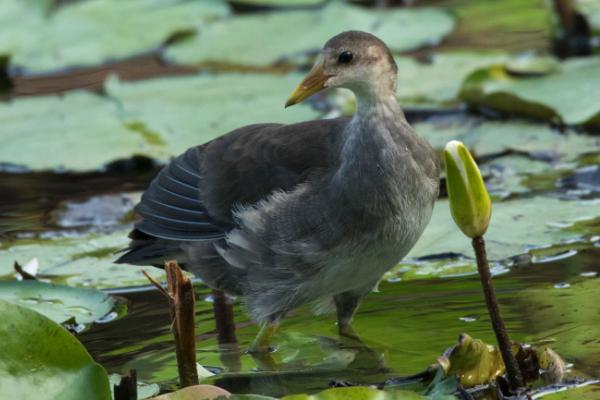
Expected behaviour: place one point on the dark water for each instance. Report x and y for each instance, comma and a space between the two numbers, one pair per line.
405, 327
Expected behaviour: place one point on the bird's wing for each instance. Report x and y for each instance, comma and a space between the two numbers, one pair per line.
171, 207
194, 196
250, 163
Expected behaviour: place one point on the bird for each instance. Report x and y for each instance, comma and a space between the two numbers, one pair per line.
312, 212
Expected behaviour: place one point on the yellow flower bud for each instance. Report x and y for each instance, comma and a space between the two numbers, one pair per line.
470, 202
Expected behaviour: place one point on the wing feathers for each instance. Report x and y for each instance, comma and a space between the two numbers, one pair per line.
171, 207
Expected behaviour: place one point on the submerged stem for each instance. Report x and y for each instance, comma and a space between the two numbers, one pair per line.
512, 367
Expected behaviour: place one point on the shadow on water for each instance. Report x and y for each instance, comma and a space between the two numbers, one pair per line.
405, 327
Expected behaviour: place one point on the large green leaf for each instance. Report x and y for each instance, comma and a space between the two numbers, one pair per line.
158, 118
94, 31
570, 94
207, 392
278, 3
494, 137
437, 80
58, 302
516, 25
187, 111
41, 360
591, 10
517, 227
76, 131
357, 393
77, 261
241, 40
538, 155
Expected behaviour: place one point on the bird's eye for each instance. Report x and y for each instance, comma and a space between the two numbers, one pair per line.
345, 57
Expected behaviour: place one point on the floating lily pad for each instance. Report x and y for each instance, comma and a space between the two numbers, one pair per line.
58, 302
157, 118
278, 3
514, 25
41, 39
591, 10
241, 40
188, 111
207, 392
77, 261
41, 360
438, 80
76, 131
491, 138
359, 393
569, 95
517, 227
519, 156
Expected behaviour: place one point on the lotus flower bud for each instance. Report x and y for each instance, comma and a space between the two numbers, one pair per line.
470, 202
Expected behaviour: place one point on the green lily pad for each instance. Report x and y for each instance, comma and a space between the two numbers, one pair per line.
515, 25
77, 261
489, 138
540, 155
41, 360
157, 118
240, 40
278, 3
538, 141
41, 39
187, 111
438, 80
591, 10
357, 393
76, 131
555, 96
517, 227
207, 392
58, 302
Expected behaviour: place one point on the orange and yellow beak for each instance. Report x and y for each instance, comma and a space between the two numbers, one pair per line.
312, 83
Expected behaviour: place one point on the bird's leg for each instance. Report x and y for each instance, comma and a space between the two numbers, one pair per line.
346, 304
262, 342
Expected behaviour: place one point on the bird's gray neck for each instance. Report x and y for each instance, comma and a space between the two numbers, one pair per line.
371, 156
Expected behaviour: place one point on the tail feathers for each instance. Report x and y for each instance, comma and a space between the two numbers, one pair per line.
152, 252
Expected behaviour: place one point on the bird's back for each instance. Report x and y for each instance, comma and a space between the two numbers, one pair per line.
192, 199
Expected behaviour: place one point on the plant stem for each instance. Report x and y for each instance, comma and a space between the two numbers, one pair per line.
512, 368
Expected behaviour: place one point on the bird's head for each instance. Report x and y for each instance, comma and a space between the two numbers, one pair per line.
353, 60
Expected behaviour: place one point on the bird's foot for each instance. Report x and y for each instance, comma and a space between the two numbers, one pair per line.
346, 330
262, 342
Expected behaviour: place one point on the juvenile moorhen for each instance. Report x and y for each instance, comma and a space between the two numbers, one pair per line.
282, 215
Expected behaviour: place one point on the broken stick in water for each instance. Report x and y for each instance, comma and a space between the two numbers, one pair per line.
180, 294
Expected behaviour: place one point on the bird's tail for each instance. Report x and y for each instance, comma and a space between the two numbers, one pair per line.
149, 250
